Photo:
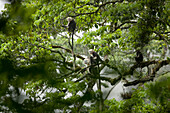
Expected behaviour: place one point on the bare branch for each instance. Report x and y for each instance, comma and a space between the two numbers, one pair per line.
110, 91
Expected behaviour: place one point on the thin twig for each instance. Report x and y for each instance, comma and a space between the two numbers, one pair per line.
111, 90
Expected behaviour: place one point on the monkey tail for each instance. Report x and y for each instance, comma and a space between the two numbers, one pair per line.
73, 51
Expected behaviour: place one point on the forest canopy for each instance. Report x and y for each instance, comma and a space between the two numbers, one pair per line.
129, 41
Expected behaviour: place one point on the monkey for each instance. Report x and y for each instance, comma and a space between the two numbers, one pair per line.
94, 57
91, 66
94, 60
71, 28
89, 62
139, 57
71, 25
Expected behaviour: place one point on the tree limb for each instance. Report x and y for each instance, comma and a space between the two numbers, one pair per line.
151, 77
100, 6
118, 27
95, 5
137, 65
112, 81
44, 48
68, 50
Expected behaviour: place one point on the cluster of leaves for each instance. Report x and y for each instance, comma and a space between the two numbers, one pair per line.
36, 59
153, 98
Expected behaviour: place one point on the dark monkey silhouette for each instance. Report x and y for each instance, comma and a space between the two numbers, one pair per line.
71, 28
139, 57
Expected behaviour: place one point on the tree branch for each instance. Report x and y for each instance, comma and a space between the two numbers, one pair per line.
161, 37
151, 77
102, 5
110, 91
95, 5
68, 50
112, 81
44, 48
123, 24
137, 65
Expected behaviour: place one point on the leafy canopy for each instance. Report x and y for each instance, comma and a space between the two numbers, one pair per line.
36, 69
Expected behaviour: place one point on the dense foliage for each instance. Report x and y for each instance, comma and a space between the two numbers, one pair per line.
36, 63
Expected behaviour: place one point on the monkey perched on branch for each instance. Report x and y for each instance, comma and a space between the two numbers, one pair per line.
71, 25
94, 57
139, 57
71, 28
94, 60
90, 63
